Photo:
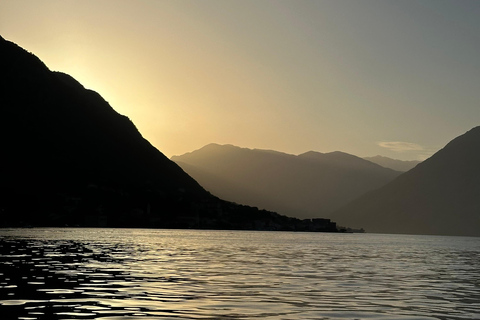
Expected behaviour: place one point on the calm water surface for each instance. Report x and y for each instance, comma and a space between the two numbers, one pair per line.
178, 274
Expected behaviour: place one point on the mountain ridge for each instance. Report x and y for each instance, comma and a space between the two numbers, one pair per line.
395, 164
286, 183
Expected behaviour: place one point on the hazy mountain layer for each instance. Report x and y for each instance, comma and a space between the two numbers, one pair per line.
308, 185
69, 159
439, 196
398, 165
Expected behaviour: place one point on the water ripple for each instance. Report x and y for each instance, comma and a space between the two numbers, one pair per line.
177, 274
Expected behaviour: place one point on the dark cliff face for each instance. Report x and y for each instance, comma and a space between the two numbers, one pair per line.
439, 196
64, 146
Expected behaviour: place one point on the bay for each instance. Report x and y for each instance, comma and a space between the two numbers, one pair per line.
68, 273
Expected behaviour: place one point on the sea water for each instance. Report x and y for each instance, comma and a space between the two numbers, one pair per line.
192, 274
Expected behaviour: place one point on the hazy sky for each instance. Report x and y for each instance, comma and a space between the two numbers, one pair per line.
396, 78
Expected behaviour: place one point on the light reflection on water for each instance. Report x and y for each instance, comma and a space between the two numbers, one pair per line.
181, 274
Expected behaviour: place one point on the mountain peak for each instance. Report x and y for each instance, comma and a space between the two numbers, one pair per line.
15, 58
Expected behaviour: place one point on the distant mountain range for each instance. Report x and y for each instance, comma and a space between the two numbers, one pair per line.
68, 158
398, 165
309, 185
439, 196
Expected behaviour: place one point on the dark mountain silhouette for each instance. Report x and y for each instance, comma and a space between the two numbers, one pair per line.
309, 185
398, 165
439, 196
68, 158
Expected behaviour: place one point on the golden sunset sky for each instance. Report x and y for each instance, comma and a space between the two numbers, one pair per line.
395, 78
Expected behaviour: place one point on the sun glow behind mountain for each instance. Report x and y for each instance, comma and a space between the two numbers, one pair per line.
289, 76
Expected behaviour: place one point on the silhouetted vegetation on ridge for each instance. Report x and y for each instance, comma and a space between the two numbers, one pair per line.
68, 158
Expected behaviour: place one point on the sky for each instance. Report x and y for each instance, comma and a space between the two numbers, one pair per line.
393, 78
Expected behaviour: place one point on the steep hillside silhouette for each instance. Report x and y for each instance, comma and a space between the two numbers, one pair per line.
439, 196
398, 165
309, 185
69, 159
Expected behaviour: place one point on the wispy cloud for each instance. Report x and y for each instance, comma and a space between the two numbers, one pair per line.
400, 146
